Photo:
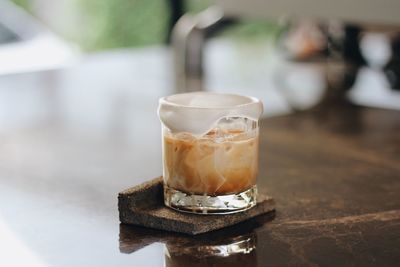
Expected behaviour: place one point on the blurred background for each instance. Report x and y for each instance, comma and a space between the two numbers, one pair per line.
80, 82
104, 24
286, 55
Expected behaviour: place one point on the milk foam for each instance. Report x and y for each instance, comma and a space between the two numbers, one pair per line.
199, 112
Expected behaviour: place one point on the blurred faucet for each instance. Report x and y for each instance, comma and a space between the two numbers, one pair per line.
188, 38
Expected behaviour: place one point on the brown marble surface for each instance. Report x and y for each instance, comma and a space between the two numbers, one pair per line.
335, 175
69, 144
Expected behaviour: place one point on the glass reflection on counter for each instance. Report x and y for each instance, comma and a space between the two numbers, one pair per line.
234, 251
232, 246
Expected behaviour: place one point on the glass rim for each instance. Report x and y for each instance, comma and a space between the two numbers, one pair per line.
247, 101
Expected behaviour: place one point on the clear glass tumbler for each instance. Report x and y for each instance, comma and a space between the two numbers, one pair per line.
210, 151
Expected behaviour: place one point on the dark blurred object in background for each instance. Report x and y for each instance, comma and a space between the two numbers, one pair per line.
392, 69
177, 9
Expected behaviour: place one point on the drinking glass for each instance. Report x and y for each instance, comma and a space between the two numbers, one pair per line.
210, 151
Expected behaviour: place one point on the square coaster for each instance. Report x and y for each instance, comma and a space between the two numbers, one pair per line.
143, 205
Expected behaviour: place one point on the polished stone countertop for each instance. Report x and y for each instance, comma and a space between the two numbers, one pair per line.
70, 140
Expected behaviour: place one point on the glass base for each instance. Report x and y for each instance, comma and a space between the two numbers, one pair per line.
205, 204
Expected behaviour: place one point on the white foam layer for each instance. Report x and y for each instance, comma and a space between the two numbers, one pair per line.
198, 112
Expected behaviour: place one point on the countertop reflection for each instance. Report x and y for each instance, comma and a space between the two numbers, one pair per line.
71, 139
233, 246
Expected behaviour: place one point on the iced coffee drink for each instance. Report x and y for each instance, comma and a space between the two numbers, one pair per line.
210, 152
211, 165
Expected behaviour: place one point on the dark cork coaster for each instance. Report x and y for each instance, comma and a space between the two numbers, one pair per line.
143, 205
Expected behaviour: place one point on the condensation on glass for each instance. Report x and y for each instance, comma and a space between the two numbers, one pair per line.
210, 151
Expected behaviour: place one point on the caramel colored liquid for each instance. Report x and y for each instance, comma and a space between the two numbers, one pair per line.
210, 166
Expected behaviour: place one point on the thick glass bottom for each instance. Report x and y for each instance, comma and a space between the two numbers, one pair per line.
205, 204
